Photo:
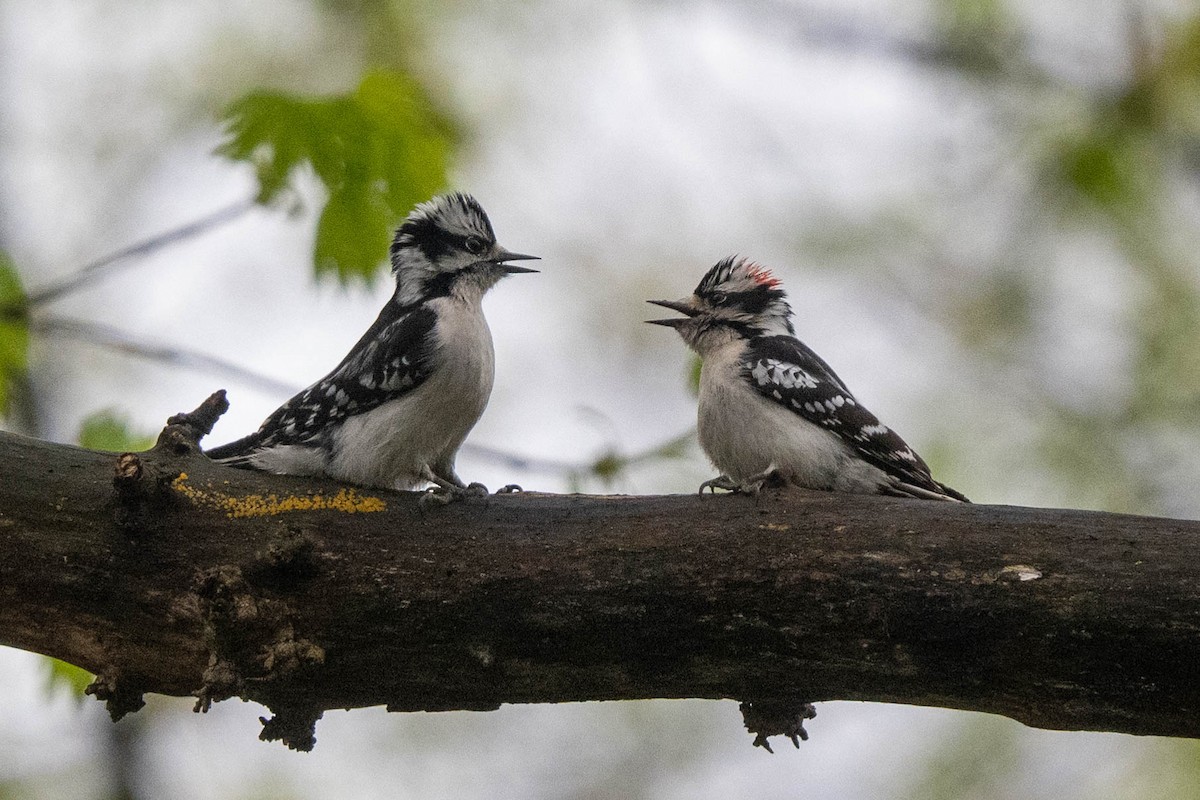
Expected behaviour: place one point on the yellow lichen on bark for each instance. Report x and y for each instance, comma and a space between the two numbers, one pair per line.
347, 501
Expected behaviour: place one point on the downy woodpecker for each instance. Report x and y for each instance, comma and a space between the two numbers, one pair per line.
394, 412
771, 410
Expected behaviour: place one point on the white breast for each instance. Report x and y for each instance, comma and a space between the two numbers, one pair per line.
392, 445
744, 433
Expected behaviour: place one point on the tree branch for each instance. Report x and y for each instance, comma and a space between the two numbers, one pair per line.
179, 576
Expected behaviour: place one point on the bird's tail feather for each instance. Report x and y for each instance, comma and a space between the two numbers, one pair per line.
235, 454
899, 488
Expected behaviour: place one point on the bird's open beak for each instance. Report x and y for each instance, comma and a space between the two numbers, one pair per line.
503, 255
682, 306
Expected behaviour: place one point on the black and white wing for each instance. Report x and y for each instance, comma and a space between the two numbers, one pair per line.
787, 371
391, 359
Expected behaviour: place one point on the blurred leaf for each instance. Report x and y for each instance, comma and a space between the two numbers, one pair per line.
609, 466
1104, 168
107, 430
353, 218
1118, 161
61, 676
379, 150
612, 465
14, 331
674, 448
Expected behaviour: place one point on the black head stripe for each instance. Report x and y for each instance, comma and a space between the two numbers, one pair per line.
440, 285
716, 276
424, 233
470, 208
441, 226
756, 301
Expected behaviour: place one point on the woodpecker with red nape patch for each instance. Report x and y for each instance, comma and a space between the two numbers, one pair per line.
771, 410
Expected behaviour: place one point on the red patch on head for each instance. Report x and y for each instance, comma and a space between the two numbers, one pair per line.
761, 275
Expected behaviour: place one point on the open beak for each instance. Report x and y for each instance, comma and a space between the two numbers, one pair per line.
503, 255
682, 306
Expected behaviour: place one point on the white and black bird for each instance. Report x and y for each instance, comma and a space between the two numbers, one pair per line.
771, 410
394, 412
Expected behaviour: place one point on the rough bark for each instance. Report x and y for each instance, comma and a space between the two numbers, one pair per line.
163, 572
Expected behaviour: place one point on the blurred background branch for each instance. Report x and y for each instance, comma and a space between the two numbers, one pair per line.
127, 256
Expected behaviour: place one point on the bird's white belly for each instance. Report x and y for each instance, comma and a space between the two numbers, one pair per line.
393, 445
744, 434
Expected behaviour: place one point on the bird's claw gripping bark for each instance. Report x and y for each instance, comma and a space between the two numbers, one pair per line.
720, 482
443, 495
755, 483
751, 486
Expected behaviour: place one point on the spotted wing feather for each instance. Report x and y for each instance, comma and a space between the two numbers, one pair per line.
785, 370
391, 359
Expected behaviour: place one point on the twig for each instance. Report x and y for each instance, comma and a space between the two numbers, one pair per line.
105, 265
109, 337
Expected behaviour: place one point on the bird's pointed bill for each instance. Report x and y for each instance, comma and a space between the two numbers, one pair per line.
683, 306
504, 255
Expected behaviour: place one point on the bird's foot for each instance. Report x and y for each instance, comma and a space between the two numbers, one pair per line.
510, 488
445, 494
751, 487
436, 496
720, 482
755, 483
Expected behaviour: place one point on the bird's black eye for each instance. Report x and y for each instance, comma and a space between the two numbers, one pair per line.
474, 245
718, 298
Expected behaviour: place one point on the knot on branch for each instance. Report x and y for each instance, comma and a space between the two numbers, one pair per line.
765, 718
139, 486
289, 653
120, 696
127, 481
295, 726
253, 646
184, 431
128, 473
